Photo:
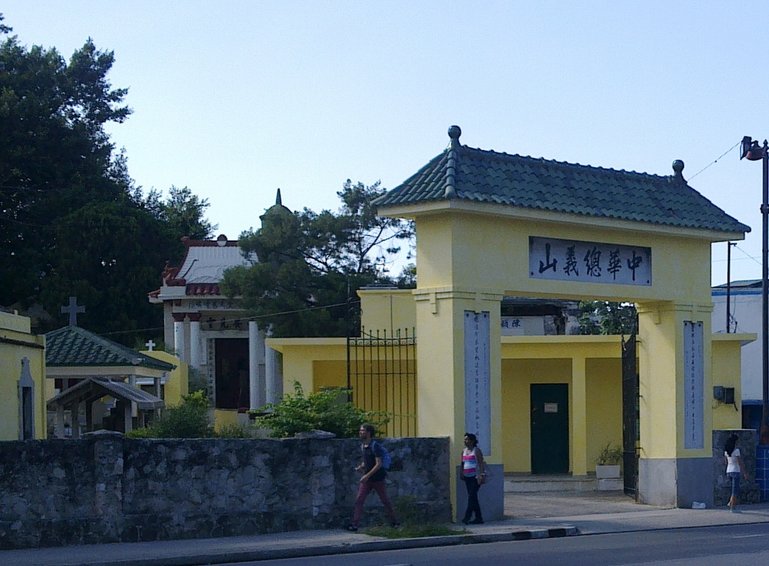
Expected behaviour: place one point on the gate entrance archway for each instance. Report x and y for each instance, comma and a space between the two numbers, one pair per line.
491, 225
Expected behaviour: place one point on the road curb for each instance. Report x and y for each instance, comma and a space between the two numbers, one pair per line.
342, 548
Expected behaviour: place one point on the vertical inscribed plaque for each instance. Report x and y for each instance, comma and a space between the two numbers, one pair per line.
694, 434
477, 378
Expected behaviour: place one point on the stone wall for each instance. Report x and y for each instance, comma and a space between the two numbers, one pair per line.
106, 488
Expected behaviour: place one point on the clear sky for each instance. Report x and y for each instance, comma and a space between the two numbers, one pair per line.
235, 99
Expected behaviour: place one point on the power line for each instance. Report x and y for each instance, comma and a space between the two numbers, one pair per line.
239, 318
715, 160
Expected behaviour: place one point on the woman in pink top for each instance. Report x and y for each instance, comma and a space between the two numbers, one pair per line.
474, 476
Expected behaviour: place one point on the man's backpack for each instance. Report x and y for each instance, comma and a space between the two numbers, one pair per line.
386, 458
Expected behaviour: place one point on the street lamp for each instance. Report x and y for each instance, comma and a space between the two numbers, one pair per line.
751, 150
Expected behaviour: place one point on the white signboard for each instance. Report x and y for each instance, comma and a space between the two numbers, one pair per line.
478, 378
595, 262
694, 433
523, 325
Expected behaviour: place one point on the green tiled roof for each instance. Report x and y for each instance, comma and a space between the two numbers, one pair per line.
483, 176
75, 346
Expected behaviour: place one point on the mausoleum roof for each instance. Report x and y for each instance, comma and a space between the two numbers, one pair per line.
73, 346
483, 176
202, 269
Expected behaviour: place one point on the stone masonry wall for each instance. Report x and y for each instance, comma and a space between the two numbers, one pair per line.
106, 488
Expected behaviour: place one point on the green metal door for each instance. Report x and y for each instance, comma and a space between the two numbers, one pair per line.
549, 428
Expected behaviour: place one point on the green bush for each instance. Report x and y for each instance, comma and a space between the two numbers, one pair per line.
189, 419
327, 410
232, 430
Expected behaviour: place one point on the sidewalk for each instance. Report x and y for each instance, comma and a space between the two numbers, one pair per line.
532, 516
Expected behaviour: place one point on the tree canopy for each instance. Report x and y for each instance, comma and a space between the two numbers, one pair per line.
309, 264
71, 220
607, 317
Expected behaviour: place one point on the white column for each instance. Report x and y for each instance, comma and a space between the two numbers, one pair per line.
195, 341
274, 384
255, 388
134, 406
59, 428
179, 336
127, 420
75, 418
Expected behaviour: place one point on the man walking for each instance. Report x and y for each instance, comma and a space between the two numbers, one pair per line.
373, 477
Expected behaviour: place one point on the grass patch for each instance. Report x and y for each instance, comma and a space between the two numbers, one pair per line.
414, 531
413, 524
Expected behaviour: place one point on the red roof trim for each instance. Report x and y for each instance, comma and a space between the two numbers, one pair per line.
203, 289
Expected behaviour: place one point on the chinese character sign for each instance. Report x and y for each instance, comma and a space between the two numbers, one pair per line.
478, 378
597, 262
694, 435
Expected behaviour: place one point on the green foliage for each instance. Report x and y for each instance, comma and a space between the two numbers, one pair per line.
611, 455
233, 430
607, 317
326, 410
311, 264
146, 432
71, 220
413, 524
182, 213
189, 419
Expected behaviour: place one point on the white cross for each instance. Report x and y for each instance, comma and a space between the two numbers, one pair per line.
150, 345
72, 309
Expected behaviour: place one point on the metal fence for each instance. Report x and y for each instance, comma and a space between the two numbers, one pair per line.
381, 375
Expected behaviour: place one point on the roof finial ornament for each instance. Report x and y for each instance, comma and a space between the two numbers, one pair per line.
678, 167
451, 165
278, 200
454, 133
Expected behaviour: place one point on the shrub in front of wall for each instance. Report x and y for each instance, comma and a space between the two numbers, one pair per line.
189, 419
328, 410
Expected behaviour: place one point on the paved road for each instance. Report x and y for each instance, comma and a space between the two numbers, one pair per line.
531, 516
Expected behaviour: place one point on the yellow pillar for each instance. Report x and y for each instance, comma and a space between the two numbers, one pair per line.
675, 466
441, 383
578, 417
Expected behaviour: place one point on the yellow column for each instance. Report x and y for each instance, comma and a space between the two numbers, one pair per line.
668, 467
578, 417
441, 363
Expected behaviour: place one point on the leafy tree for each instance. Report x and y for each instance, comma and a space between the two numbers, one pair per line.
183, 213
326, 410
71, 219
110, 262
310, 265
607, 317
54, 153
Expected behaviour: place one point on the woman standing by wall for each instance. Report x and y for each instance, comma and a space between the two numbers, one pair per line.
474, 476
735, 469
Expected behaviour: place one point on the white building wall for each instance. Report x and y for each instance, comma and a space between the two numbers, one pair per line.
745, 314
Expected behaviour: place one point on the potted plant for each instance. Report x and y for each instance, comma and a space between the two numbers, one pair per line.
607, 464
